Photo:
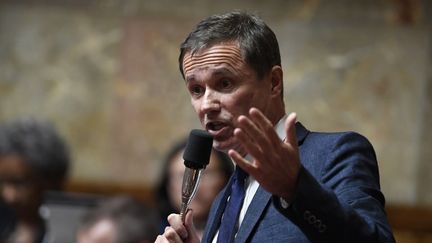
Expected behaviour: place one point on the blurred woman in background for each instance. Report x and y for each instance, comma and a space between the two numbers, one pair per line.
33, 159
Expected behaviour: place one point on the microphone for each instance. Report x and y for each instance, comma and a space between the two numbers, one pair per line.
196, 157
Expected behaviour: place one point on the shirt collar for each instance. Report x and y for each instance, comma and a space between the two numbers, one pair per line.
280, 127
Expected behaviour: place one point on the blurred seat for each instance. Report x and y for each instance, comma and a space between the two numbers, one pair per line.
63, 212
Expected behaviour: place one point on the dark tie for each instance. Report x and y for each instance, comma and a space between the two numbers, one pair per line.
228, 226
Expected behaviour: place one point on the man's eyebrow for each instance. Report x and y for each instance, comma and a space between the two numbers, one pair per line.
189, 78
220, 71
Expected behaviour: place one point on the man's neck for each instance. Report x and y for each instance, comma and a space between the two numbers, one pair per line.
275, 112
277, 118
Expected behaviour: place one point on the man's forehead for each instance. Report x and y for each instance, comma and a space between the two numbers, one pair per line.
228, 54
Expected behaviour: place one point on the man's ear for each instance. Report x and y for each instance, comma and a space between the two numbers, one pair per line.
276, 76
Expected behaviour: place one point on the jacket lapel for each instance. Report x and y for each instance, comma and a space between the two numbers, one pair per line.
301, 133
253, 214
215, 218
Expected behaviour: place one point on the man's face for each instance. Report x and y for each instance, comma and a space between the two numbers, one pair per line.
223, 87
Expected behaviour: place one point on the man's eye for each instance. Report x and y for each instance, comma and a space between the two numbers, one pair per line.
196, 90
225, 84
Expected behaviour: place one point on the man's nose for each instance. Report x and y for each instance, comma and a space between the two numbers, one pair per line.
211, 101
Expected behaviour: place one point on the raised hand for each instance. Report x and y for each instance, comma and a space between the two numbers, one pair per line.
276, 163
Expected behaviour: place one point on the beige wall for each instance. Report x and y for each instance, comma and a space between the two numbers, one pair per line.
106, 73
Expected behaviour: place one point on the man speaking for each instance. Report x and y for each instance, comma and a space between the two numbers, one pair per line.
290, 184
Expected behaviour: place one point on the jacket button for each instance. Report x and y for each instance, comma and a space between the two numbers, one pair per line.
322, 228
317, 223
307, 214
283, 203
312, 219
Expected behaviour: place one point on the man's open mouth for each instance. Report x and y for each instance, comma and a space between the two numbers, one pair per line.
215, 127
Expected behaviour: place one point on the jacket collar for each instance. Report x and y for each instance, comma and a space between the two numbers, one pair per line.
301, 133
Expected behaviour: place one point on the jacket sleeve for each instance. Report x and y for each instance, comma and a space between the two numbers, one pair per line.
343, 203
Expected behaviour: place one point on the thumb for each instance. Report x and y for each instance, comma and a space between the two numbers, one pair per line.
189, 219
190, 227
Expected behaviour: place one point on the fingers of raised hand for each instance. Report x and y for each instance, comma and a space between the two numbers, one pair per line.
250, 144
256, 133
265, 125
240, 161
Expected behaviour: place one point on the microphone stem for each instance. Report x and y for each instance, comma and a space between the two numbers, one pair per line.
183, 211
189, 187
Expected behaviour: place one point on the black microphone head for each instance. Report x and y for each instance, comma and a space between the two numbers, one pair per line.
198, 149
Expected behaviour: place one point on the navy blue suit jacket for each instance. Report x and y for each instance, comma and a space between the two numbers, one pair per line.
338, 197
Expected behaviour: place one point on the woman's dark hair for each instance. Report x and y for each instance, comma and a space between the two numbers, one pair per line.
40, 146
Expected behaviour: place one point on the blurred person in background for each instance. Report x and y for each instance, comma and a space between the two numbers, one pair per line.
33, 159
120, 219
213, 179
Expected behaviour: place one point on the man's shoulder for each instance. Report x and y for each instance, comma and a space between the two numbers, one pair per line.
338, 137
324, 147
